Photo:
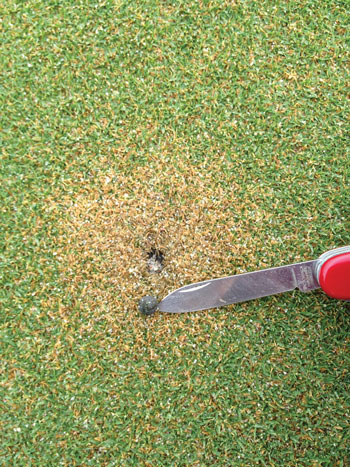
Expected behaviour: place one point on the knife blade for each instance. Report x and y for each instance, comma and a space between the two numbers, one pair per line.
240, 288
333, 268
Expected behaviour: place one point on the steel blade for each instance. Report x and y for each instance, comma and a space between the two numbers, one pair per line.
240, 288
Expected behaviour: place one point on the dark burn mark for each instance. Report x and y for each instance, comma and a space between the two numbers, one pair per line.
155, 261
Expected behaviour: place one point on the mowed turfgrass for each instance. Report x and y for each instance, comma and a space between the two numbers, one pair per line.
216, 132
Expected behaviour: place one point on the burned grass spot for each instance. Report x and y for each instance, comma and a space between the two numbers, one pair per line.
150, 231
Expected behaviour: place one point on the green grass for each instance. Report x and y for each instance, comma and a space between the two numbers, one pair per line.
94, 88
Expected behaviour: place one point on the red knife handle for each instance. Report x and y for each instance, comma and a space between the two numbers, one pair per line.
333, 273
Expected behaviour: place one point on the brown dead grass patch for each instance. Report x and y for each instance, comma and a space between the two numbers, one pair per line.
190, 211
